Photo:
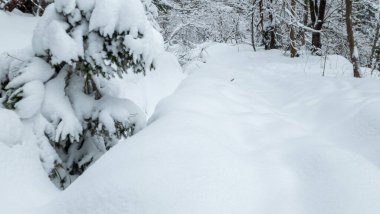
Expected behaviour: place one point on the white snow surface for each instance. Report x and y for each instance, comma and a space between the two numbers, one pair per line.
23, 182
16, 29
147, 91
245, 133
11, 128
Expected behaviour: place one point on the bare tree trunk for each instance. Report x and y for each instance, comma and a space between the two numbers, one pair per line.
312, 12
305, 19
268, 32
374, 45
263, 34
354, 55
273, 42
314, 40
293, 50
317, 13
253, 32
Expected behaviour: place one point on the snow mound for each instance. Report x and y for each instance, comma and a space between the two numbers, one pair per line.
11, 127
147, 91
247, 133
23, 182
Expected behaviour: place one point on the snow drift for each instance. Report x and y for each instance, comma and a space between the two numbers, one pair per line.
247, 133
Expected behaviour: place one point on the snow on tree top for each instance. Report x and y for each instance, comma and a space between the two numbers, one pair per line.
61, 31
122, 16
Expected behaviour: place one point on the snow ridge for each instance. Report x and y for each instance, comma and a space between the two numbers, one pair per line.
247, 133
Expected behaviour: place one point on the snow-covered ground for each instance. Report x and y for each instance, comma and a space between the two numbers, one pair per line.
16, 31
245, 132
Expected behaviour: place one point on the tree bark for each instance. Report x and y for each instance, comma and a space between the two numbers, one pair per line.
317, 13
263, 34
374, 45
273, 42
354, 55
293, 50
312, 12
268, 32
305, 19
253, 32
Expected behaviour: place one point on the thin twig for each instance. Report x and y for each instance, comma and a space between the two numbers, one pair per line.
15, 57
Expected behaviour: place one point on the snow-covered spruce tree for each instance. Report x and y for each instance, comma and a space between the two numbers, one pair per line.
77, 46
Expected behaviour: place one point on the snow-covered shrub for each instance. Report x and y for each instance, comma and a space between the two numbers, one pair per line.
77, 46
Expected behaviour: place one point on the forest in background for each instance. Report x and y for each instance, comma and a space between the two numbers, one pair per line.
294, 26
